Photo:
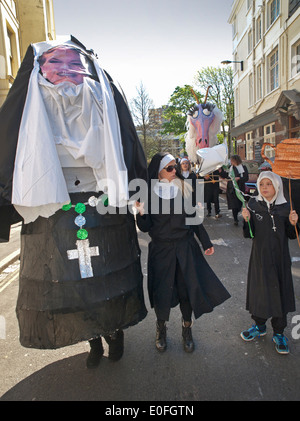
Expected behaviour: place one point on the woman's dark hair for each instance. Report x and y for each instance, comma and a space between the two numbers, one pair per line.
237, 159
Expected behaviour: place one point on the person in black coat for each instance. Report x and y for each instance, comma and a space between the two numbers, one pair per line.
184, 171
177, 270
80, 272
241, 176
270, 292
211, 192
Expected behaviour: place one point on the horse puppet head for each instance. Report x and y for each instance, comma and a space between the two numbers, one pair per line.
203, 125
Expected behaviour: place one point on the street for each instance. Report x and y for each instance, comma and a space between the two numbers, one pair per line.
222, 368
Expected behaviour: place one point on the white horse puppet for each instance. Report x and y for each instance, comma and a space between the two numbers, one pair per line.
203, 125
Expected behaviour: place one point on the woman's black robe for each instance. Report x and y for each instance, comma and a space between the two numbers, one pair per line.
233, 201
270, 291
173, 243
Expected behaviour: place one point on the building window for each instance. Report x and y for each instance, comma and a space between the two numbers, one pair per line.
250, 41
296, 58
251, 101
9, 53
294, 127
237, 64
249, 146
258, 29
273, 11
236, 103
273, 71
259, 87
234, 27
269, 137
293, 6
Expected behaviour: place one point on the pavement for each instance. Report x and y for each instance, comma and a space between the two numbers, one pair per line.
222, 368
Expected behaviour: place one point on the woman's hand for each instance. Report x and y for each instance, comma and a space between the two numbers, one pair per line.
209, 252
140, 207
293, 217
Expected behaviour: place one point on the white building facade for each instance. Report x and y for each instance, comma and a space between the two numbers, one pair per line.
22, 22
266, 47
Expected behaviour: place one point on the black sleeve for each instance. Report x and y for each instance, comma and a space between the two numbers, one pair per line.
246, 228
291, 230
245, 176
8, 217
10, 119
203, 236
144, 222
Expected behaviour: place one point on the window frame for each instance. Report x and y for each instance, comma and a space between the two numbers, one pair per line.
273, 70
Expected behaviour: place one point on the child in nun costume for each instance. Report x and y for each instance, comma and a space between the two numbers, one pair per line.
177, 270
270, 291
69, 151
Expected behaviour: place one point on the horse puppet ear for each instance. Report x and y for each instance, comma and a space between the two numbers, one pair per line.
215, 126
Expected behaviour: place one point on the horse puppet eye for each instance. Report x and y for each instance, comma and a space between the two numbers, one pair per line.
206, 112
194, 111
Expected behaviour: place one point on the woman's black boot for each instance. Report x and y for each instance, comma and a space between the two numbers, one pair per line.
115, 345
95, 354
161, 336
188, 343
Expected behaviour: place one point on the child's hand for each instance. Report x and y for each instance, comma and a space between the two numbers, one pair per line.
140, 207
293, 217
209, 252
246, 214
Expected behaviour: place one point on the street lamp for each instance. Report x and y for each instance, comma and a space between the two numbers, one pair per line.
230, 61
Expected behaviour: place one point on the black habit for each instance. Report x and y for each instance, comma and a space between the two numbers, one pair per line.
270, 291
173, 243
233, 201
56, 307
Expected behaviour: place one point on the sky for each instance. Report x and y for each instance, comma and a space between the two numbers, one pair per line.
160, 43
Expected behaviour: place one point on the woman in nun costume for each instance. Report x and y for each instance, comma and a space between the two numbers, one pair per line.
270, 291
241, 176
177, 270
69, 151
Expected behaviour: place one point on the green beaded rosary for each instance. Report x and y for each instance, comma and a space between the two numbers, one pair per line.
80, 208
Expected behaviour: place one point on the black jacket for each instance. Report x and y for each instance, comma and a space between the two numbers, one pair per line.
270, 290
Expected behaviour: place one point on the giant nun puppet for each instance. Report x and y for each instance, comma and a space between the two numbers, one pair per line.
68, 152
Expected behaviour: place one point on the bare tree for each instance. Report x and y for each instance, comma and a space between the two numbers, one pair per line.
140, 106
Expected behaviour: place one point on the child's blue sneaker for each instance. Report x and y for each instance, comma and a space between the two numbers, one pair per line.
281, 345
253, 332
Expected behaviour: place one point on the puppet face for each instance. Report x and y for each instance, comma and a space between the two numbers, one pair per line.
64, 65
267, 189
201, 119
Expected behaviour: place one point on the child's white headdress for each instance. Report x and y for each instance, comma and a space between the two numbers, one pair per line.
279, 198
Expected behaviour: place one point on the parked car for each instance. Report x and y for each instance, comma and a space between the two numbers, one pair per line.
250, 188
253, 170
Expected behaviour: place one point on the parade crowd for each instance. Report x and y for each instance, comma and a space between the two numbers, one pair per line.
65, 128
